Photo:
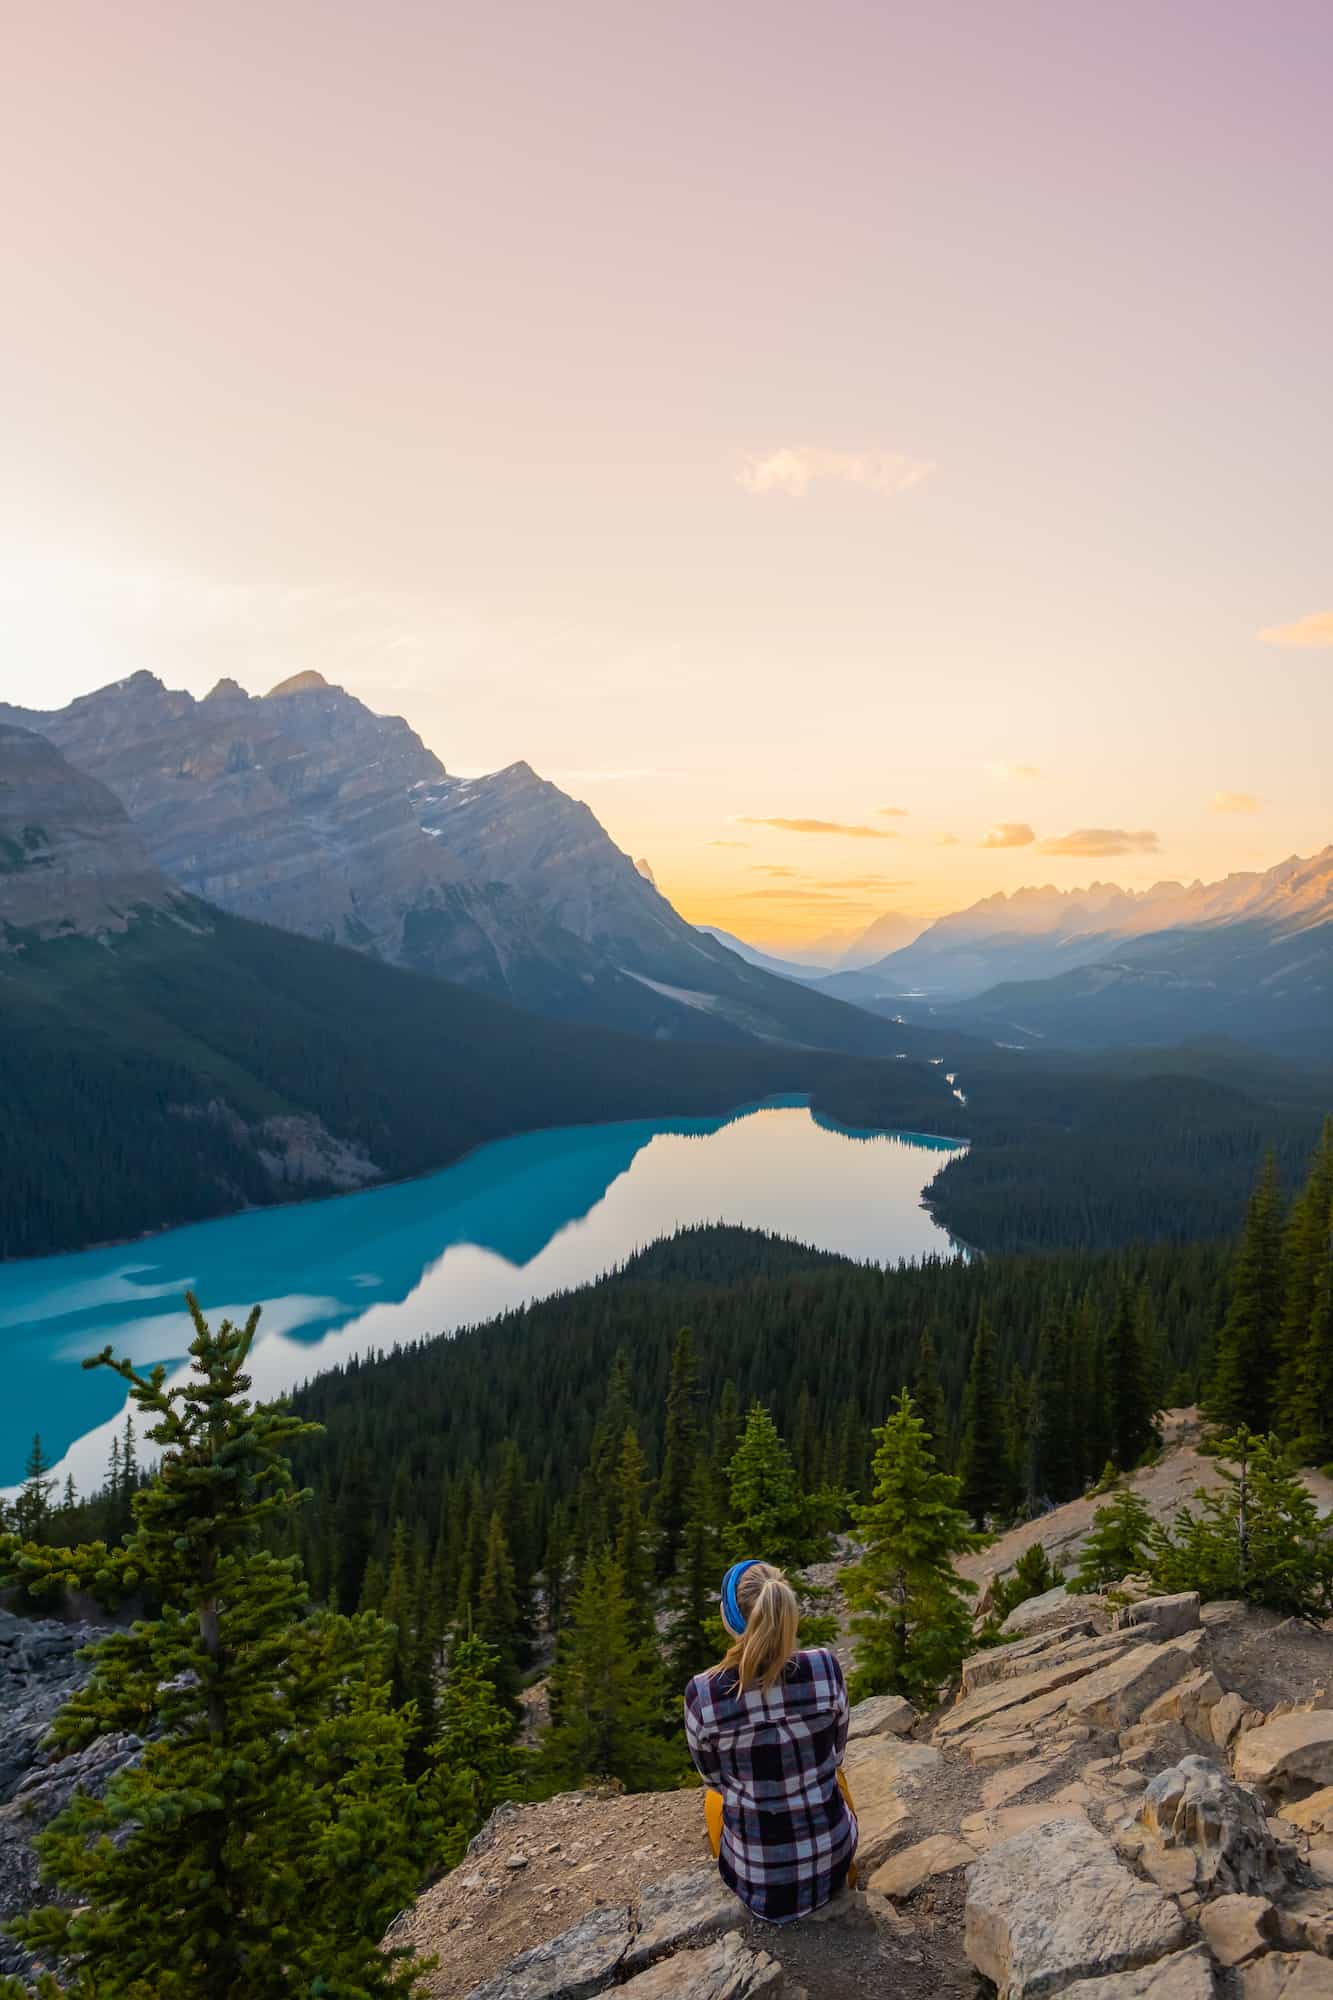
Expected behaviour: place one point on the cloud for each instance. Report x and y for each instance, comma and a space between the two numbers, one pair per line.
768, 868
794, 469
804, 896
1102, 840
1316, 630
728, 843
825, 826
876, 883
1235, 802
947, 840
893, 812
1026, 772
1010, 833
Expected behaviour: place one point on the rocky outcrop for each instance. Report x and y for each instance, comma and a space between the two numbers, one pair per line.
1056, 1904
71, 864
1196, 1812
1288, 1755
39, 1671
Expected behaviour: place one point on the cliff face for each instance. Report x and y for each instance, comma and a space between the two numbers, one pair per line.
71, 864
303, 809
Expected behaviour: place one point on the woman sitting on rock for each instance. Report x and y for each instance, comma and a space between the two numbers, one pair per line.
766, 1729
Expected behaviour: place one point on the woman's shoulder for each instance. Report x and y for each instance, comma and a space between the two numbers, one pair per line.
819, 1663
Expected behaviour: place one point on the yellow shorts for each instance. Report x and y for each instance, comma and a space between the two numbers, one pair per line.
713, 1821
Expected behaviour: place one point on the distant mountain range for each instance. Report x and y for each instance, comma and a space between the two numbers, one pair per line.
304, 809
1249, 957
163, 1060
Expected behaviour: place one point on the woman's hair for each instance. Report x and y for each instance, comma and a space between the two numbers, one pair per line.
772, 1615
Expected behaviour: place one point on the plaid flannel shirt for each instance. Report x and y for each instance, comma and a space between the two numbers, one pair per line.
787, 1834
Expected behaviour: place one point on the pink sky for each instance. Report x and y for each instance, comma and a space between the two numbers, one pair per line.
747, 414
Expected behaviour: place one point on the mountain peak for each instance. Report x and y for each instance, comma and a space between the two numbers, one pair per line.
226, 690
304, 683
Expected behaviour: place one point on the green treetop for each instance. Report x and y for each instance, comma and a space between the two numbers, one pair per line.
983, 1466
1117, 1546
1244, 1386
915, 1621
268, 1831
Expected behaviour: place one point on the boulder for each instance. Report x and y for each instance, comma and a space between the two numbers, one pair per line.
884, 1772
1160, 1618
882, 1715
1195, 1807
691, 1907
1238, 1928
1291, 1752
1287, 1976
1117, 1695
1227, 1717
1186, 1975
727, 1970
1312, 1815
904, 1872
997, 1663
1053, 1608
580, 1962
1004, 1785
1190, 1702
1056, 1904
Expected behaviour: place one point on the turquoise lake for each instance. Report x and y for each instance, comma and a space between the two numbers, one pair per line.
512, 1222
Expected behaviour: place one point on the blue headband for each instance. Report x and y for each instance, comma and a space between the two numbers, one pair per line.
732, 1615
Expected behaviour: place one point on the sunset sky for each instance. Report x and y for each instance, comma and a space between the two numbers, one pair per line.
876, 454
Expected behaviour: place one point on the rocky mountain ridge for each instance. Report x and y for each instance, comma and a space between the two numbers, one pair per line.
71, 864
1041, 932
302, 808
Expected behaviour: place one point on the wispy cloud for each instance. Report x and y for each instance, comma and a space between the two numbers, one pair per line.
771, 868
874, 884
893, 812
805, 896
825, 826
1010, 833
728, 843
1316, 630
1235, 802
1024, 772
1093, 841
793, 469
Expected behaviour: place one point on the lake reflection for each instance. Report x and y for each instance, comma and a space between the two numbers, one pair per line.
515, 1221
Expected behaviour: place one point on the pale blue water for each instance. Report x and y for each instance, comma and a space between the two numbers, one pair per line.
512, 1222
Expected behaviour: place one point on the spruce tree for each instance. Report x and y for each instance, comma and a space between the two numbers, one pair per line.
1315, 1407
631, 1551
1118, 1545
770, 1516
1054, 1458
1305, 1250
982, 1459
694, 1630
680, 1446
606, 1692
1259, 1536
1243, 1389
476, 1763
1130, 1383
497, 1610
268, 1831
915, 1621
928, 1399
32, 1509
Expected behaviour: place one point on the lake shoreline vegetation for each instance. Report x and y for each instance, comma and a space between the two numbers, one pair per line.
554, 1497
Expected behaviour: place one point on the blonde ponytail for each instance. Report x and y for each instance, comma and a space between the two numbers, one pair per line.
772, 1616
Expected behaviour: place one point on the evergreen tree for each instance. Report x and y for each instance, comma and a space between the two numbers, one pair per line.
1305, 1259
982, 1458
1315, 1408
1130, 1383
1031, 1576
497, 1610
1244, 1382
1020, 1470
770, 1516
606, 1692
693, 1633
555, 1568
268, 1831
1259, 1536
32, 1509
1054, 1457
915, 1622
680, 1446
1118, 1545
631, 1551
928, 1399
476, 1762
